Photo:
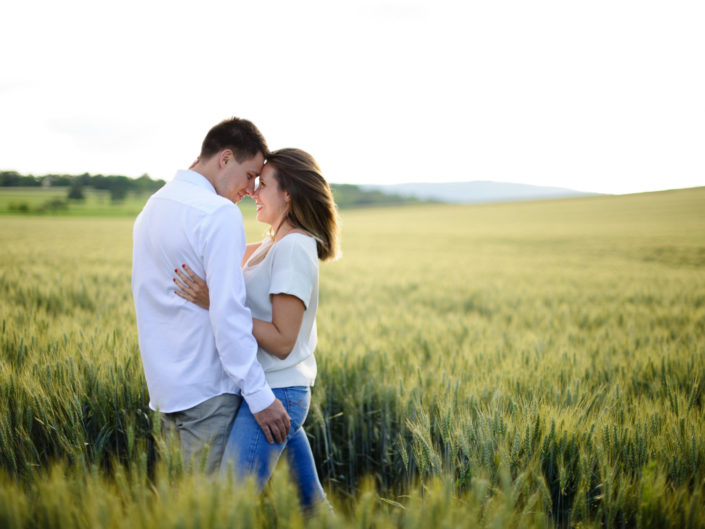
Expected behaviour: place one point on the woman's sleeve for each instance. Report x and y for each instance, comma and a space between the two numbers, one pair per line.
294, 268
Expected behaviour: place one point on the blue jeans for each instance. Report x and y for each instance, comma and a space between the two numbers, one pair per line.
248, 453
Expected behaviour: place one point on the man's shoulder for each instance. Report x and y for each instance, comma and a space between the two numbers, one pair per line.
186, 195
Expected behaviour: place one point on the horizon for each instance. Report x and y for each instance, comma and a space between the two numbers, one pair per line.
393, 185
579, 191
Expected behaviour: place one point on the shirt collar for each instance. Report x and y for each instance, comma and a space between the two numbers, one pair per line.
192, 177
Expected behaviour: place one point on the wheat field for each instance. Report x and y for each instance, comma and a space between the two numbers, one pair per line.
516, 365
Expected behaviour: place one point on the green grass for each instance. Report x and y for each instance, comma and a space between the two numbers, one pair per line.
517, 365
52, 202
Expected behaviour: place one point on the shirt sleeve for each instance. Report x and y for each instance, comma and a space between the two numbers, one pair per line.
294, 268
222, 241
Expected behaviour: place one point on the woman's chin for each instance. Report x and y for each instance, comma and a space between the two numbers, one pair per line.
261, 219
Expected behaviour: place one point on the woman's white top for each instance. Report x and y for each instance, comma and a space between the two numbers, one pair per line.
290, 266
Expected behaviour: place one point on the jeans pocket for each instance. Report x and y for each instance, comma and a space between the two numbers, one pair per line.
297, 401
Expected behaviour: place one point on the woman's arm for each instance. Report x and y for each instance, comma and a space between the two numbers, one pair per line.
278, 337
193, 288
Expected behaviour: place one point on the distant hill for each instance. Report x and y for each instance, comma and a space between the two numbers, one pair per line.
475, 192
351, 196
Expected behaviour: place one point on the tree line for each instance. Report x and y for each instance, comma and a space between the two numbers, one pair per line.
346, 195
117, 185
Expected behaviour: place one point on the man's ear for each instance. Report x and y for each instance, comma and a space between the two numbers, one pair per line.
224, 157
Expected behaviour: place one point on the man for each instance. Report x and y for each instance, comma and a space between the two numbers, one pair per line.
198, 362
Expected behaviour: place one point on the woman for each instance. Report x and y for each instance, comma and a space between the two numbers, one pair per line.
281, 279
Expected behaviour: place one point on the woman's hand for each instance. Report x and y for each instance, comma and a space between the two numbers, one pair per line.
191, 287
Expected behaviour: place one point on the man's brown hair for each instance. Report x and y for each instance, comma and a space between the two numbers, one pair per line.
236, 134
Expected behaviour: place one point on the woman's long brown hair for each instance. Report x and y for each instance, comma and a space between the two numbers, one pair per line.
311, 204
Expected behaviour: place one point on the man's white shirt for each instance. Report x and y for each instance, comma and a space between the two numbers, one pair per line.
191, 354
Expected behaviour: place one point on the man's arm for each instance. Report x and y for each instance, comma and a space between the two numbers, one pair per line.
277, 337
222, 237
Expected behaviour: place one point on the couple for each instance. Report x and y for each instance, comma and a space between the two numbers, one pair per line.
229, 360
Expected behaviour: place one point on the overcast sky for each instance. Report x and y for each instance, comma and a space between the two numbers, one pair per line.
604, 96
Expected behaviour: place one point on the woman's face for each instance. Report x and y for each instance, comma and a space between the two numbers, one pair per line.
271, 201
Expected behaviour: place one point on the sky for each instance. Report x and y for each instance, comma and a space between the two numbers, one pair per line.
600, 96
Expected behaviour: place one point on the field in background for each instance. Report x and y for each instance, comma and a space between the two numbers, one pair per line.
518, 365
52, 201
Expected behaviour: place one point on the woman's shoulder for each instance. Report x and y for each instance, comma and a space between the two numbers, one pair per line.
297, 245
297, 238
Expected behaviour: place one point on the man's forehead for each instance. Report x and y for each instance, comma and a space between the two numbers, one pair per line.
255, 163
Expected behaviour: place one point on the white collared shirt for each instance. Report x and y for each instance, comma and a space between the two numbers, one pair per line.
191, 354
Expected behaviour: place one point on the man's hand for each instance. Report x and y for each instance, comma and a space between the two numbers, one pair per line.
274, 422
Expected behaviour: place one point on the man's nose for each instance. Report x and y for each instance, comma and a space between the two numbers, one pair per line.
250, 190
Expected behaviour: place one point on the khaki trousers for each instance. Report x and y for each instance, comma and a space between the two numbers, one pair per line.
203, 430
